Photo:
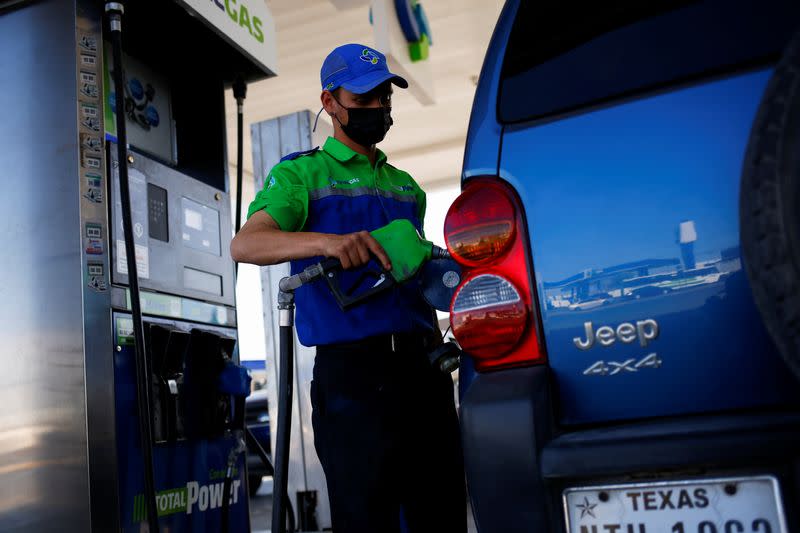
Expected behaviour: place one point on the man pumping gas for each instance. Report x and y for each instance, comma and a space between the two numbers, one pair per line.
385, 425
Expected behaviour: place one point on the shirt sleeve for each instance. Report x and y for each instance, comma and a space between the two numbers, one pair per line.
284, 198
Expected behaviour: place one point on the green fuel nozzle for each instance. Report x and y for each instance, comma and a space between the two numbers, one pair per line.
407, 251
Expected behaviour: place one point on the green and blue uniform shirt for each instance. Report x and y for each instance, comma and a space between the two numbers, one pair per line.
336, 190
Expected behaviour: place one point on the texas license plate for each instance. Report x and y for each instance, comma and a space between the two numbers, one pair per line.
730, 505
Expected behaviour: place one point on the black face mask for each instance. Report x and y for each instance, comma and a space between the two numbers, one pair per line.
366, 125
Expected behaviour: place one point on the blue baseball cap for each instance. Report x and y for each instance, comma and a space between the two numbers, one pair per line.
357, 68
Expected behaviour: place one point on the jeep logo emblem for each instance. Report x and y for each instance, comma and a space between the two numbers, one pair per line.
644, 330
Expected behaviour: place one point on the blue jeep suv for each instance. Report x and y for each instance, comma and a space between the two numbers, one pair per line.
628, 229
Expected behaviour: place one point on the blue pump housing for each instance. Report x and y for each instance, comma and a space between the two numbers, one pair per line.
189, 472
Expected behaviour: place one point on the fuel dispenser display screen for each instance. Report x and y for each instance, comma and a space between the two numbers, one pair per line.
200, 227
181, 230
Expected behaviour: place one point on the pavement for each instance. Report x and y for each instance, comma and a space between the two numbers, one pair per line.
261, 510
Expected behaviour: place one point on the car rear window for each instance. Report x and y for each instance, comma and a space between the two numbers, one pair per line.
564, 56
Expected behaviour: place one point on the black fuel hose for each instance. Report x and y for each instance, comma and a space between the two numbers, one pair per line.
239, 93
115, 11
285, 392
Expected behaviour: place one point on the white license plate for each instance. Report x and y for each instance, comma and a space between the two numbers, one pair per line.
730, 505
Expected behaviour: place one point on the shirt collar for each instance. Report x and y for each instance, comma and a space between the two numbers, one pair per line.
344, 153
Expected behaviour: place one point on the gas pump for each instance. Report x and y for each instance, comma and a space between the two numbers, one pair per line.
154, 425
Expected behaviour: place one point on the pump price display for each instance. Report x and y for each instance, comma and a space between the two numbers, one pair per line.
730, 505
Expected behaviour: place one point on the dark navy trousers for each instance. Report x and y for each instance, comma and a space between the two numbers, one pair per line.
387, 435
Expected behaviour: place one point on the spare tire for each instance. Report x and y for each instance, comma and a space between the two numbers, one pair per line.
769, 206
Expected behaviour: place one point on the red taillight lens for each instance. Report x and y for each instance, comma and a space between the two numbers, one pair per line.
486, 303
492, 312
480, 225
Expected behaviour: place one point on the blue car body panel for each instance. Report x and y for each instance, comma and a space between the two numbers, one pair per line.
482, 150
631, 200
605, 194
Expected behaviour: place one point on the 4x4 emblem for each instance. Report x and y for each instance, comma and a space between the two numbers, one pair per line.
610, 368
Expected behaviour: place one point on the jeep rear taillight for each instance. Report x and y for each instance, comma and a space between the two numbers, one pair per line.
480, 229
492, 314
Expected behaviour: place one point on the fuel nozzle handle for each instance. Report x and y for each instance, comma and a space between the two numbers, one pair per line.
406, 249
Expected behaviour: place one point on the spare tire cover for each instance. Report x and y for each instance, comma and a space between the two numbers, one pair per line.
769, 208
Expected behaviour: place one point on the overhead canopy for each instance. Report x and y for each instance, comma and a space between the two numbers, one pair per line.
247, 25
169, 34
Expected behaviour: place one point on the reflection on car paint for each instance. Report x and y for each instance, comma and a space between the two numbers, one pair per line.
633, 214
641, 279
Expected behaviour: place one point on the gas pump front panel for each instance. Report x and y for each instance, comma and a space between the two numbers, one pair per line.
181, 228
190, 420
